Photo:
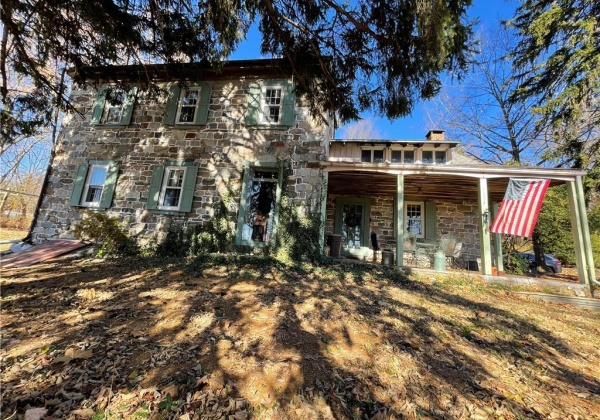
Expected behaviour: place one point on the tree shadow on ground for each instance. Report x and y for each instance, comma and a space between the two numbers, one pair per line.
231, 335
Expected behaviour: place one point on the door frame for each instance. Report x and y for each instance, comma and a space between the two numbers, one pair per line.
366, 219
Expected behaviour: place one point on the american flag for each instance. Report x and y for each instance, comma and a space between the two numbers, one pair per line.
520, 207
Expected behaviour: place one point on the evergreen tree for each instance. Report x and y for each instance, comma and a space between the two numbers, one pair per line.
560, 37
345, 56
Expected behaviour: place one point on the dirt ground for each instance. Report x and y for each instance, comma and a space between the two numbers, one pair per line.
240, 337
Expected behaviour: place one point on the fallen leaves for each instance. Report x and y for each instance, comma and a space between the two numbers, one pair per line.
273, 343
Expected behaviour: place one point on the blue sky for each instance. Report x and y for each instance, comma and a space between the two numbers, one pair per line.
487, 12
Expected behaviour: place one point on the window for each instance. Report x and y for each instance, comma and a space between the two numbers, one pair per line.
271, 102
113, 110
113, 106
440, 157
427, 157
372, 155
258, 205
188, 105
272, 105
403, 156
94, 184
172, 187
414, 218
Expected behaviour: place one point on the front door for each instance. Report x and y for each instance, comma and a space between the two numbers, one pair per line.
352, 222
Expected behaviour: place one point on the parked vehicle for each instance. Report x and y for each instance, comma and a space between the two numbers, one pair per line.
552, 262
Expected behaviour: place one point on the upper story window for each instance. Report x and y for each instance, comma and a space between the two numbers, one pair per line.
271, 103
188, 105
372, 155
427, 157
113, 106
402, 156
440, 157
113, 110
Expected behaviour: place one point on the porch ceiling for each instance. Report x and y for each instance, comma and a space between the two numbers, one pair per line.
427, 186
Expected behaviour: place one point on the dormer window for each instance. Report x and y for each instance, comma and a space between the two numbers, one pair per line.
427, 157
440, 157
372, 155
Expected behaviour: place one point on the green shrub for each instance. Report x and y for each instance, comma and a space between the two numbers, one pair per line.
216, 236
297, 236
104, 231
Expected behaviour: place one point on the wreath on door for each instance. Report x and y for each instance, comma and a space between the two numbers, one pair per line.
352, 220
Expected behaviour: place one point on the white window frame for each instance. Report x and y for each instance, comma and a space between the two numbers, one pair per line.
372, 150
264, 120
87, 186
180, 105
422, 205
445, 152
108, 106
164, 186
402, 155
432, 156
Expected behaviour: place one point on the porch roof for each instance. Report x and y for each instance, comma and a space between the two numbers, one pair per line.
441, 182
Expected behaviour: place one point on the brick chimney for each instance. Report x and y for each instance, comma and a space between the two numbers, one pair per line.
436, 135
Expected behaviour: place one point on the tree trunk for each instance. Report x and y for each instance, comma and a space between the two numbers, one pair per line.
538, 250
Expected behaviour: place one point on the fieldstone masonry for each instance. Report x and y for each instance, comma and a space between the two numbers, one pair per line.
460, 219
219, 149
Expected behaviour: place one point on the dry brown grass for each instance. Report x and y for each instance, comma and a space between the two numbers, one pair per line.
254, 339
7, 234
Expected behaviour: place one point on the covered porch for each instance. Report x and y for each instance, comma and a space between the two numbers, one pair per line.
433, 203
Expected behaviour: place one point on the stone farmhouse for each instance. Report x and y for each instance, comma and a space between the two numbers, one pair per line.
231, 135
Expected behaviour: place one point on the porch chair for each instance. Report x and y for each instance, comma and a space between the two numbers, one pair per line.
455, 255
410, 247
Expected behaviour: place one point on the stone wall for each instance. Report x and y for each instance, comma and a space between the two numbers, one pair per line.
219, 149
461, 219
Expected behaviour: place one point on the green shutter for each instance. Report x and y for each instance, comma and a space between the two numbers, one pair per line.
109, 185
430, 220
253, 111
158, 172
189, 188
171, 106
80, 175
204, 104
98, 107
289, 104
128, 106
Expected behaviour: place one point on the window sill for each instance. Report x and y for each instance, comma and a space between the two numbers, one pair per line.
254, 244
168, 212
90, 208
270, 126
110, 125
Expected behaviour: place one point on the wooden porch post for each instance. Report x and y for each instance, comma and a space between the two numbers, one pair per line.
497, 241
324, 186
585, 228
577, 230
484, 223
399, 220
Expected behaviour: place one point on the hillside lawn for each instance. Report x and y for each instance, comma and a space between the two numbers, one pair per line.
239, 337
